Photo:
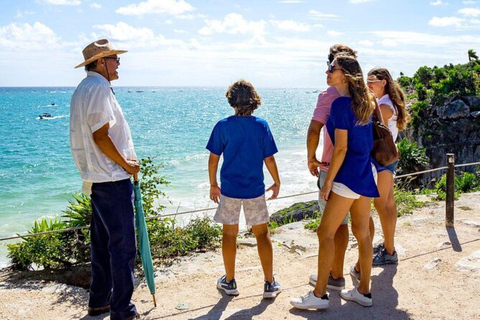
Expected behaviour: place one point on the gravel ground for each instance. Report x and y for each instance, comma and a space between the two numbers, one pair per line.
438, 277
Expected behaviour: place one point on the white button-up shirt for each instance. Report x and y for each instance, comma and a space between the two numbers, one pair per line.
94, 105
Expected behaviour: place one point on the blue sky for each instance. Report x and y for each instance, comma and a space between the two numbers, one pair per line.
272, 43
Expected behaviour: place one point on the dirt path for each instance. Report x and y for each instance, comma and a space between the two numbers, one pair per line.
438, 277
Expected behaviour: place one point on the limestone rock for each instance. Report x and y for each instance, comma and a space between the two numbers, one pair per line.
432, 264
296, 212
444, 244
470, 263
472, 101
454, 110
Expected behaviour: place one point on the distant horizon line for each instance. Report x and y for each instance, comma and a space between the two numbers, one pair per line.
135, 86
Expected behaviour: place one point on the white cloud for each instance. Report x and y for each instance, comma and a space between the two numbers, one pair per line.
468, 2
366, 43
389, 43
334, 33
63, 2
25, 36
438, 3
172, 7
234, 23
132, 37
361, 1
290, 25
424, 39
21, 14
179, 31
470, 12
445, 22
96, 5
185, 16
321, 15
291, 1
124, 32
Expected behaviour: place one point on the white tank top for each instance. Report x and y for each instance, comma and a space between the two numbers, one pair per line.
392, 122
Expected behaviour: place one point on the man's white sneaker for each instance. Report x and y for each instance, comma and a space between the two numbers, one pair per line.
353, 295
310, 301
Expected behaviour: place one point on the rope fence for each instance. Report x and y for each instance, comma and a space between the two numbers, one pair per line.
449, 216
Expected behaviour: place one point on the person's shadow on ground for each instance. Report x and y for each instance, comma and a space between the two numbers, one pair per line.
385, 302
250, 312
217, 310
386, 295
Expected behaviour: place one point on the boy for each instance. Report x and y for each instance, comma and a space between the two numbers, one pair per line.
246, 143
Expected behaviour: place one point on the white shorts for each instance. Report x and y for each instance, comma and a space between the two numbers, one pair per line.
255, 210
346, 192
321, 203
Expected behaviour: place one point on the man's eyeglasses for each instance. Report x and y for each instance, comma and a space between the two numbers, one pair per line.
117, 58
331, 68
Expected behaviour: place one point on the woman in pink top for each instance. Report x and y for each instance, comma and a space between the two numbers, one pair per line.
391, 100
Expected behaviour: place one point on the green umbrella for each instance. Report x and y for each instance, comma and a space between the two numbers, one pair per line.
143, 242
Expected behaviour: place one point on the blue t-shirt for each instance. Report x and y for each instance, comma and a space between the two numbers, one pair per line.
356, 170
244, 142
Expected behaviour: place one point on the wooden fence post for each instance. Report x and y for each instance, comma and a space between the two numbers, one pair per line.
449, 206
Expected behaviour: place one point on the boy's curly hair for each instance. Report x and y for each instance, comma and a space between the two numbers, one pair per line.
243, 97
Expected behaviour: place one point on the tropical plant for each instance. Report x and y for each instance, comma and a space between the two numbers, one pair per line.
150, 186
412, 157
472, 55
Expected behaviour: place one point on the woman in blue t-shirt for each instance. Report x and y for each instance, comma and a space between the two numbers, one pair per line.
350, 183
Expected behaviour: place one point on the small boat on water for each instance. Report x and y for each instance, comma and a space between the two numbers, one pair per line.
45, 115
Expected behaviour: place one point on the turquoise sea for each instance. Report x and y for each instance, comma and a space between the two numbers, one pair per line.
38, 176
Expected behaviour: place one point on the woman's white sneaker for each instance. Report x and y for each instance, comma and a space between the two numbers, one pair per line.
310, 301
353, 295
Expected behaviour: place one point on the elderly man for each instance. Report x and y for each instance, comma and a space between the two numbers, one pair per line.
103, 151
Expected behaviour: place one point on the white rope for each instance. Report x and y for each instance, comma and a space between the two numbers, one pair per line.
18, 236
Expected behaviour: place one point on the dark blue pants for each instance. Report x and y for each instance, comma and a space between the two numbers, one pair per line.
113, 248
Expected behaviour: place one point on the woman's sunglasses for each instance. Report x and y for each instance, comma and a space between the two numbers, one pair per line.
331, 68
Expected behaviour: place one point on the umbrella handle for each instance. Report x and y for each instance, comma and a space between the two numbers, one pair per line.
135, 177
154, 301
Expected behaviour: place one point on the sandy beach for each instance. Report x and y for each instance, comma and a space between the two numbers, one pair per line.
438, 277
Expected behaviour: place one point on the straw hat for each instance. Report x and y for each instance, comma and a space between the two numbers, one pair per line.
96, 50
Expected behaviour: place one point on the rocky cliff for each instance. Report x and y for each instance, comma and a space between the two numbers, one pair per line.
453, 127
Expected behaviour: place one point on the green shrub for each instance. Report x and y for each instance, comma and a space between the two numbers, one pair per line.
412, 157
64, 249
406, 202
205, 231
150, 183
169, 240
313, 225
464, 182
45, 251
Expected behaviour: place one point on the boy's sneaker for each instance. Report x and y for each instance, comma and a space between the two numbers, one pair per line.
378, 247
353, 295
310, 301
333, 284
230, 287
271, 289
383, 257
355, 275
